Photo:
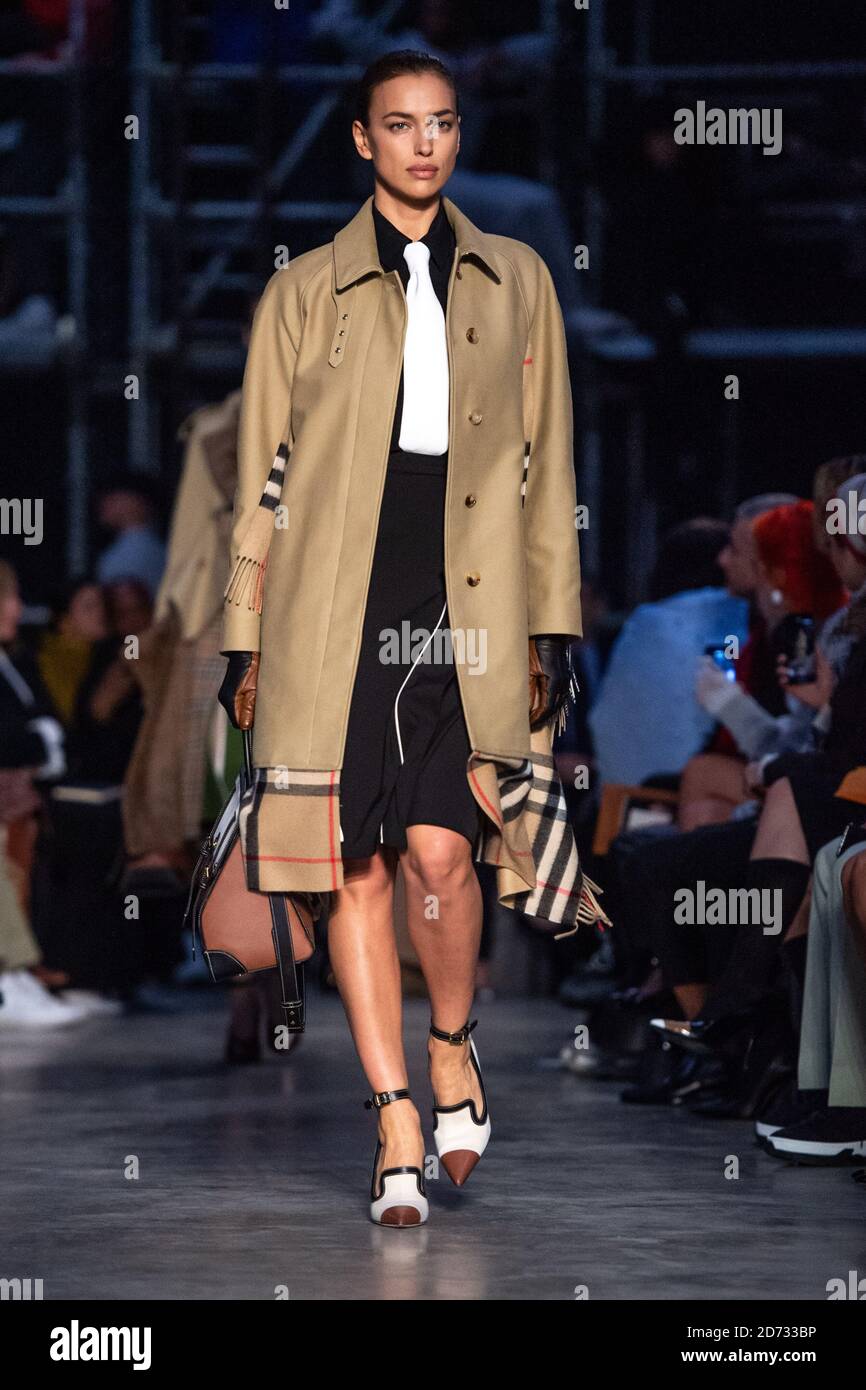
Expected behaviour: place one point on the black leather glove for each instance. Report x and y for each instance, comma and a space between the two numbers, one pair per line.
553, 657
237, 694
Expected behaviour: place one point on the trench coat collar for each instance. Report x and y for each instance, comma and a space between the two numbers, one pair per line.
356, 252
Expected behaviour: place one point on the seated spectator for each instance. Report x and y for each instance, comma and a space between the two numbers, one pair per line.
822, 1119
793, 578
31, 750
128, 508
108, 709
645, 719
66, 650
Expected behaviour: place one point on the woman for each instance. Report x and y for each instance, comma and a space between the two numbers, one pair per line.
794, 577
383, 480
66, 650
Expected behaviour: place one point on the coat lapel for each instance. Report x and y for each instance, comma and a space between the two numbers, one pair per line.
356, 253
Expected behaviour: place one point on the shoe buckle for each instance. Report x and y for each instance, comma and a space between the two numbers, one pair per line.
454, 1039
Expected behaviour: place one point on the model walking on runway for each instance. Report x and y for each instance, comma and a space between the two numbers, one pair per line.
404, 524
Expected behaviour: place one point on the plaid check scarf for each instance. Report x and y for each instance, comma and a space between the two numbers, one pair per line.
290, 829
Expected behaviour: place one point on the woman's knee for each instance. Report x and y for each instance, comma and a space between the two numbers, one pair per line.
365, 879
437, 859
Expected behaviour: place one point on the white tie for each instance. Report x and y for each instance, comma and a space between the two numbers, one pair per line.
424, 426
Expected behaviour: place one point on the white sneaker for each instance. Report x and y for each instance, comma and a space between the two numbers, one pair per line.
92, 1002
26, 1003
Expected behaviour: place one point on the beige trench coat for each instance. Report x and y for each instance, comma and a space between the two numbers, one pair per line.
321, 381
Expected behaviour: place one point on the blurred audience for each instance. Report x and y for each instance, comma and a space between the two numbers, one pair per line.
65, 651
127, 508
646, 719
794, 581
750, 1005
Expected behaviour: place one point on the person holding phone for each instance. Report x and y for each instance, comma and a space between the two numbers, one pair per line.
797, 588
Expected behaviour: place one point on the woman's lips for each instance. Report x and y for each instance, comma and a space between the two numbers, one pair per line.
422, 173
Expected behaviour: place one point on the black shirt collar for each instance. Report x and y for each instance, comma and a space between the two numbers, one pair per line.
390, 241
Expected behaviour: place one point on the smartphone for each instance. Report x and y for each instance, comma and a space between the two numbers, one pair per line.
724, 662
799, 648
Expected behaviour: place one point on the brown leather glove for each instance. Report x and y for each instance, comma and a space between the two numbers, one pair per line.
537, 687
549, 675
237, 694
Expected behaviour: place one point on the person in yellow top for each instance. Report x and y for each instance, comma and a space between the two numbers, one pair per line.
66, 649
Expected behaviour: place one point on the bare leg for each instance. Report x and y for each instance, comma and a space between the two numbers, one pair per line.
443, 904
780, 835
710, 788
691, 999
363, 953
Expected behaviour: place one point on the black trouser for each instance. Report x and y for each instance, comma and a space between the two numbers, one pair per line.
653, 868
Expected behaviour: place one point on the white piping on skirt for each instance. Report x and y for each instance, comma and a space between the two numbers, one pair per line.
411, 669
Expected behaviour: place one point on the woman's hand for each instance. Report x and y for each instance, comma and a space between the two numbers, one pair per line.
116, 685
753, 778
814, 693
713, 688
237, 694
549, 675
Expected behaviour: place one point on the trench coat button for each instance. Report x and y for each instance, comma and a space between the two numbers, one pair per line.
473, 579
472, 335
345, 316
339, 349
476, 417
471, 500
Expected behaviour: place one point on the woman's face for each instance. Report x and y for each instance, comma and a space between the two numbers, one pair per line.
412, 135
130, 607
86, 615
850, 569
10, 614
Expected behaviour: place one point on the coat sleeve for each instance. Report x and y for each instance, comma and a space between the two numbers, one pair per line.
552, 550
263, 426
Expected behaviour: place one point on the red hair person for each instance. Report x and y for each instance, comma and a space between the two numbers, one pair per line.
794, 575
793, 578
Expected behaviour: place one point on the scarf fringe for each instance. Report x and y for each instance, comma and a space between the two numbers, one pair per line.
246, 583
589, 910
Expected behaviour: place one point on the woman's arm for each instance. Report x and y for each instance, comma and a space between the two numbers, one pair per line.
552, 551
263, 427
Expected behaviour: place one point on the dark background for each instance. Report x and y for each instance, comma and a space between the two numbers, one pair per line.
113, 234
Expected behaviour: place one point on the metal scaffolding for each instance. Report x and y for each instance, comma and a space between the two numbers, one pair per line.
66, 344
597, 387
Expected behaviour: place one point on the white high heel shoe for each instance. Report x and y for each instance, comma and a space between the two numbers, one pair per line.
398, 1198
461, 1134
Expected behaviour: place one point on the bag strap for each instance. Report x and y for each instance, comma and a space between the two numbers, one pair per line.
291, 974
248, 755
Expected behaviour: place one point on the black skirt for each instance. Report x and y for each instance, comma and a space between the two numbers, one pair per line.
407, 745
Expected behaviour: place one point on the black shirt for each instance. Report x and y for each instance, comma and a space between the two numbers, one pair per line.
390, 242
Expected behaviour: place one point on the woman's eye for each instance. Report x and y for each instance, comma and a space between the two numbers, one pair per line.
396, 125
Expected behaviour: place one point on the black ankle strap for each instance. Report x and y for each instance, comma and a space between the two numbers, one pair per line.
455, 1039
384, 1098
